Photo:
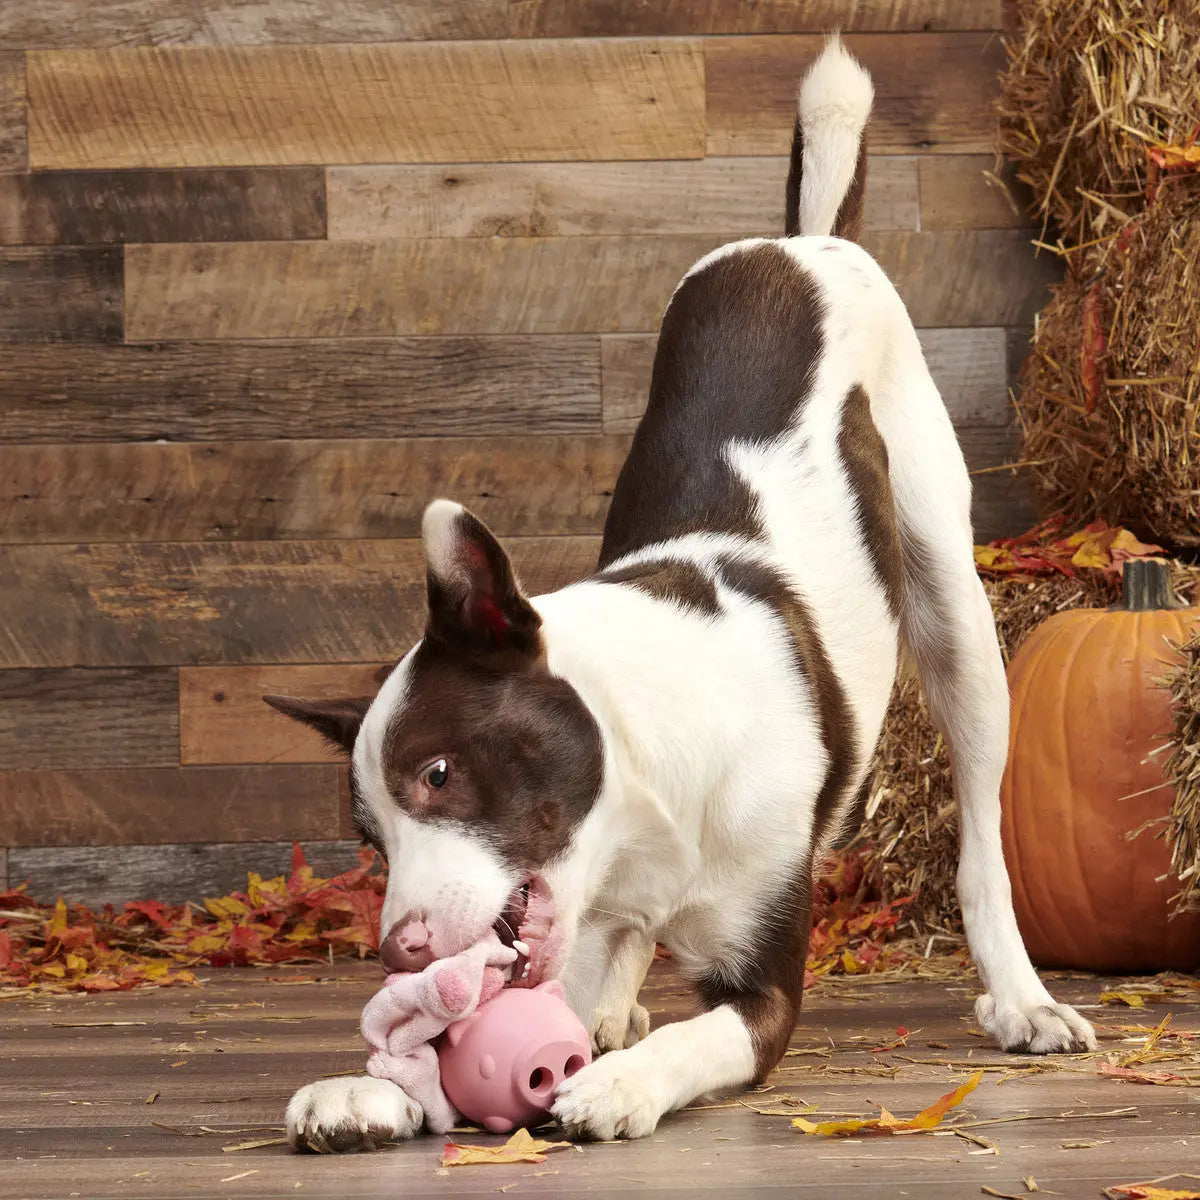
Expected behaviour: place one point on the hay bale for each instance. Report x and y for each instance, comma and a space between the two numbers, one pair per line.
1182, 770
1109, 401
912, 821
1089, 85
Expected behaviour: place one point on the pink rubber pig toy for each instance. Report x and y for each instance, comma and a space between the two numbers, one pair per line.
501, 1065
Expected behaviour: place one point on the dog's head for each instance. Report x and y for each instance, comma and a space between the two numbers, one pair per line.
474, 767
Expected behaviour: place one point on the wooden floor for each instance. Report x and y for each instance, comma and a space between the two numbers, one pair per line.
77, 1075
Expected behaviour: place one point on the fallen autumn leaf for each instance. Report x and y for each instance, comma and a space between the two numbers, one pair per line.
927, 1118
520, 1148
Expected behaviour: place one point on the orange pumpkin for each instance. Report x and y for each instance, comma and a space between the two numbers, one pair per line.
1087, 711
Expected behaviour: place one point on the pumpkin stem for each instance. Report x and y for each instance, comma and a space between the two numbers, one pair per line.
1146, 585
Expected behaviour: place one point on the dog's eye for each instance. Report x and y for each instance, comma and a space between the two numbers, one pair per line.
437, 773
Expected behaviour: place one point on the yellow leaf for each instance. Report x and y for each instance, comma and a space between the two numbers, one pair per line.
76, 962
833, 1128
52, 969
205, 943
927, 1118
1128, 546
990, 556
849, 965
1132, 999
520, 1148
226, 906
58, 922
1093, 549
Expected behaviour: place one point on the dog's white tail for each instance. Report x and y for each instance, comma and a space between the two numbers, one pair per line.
827, 180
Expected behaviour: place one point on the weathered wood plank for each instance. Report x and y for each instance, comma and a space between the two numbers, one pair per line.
88, 207
171, 603
1001, 501
414, 286
956, 194
966, 278
52, 24
734, 197
173, 804
222, 717
13, 152
412, 387
112, 874
311, 489
420, 102
933, 91
522, 285
968, 365
78, 718
633, 18
61, 294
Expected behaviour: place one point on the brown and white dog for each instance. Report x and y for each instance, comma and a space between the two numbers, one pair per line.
662, 751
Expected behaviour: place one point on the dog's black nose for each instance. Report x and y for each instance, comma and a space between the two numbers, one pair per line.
407, 946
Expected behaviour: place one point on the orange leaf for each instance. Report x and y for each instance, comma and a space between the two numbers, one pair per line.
520, 1148
927, 1118
1148, 1191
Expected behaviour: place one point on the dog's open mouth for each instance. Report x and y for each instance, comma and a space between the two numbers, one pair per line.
527, 923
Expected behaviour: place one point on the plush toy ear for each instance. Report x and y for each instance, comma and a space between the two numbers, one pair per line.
474, 600
336, 720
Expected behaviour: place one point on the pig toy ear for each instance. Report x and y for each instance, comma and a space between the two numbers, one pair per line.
454, 1033
553, 987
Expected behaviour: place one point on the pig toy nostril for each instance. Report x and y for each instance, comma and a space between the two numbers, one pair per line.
574, 1063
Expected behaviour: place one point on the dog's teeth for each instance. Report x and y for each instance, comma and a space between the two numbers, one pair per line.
521, 947
528, 968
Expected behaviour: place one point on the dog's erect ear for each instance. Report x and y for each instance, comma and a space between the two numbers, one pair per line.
474, 600
336, 720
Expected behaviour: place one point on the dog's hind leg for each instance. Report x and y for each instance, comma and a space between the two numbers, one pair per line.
949, 629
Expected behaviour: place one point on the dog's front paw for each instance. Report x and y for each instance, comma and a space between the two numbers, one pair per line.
615, 1097
614, 1029
334, 1116
1046, 1028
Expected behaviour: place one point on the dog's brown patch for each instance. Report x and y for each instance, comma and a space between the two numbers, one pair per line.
865, 458
524, 755
848, 222
667, 579
767, 992
736, 358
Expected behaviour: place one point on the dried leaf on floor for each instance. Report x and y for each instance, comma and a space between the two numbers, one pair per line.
520, 1148
1150, 1190
886, 1123
1162, 1078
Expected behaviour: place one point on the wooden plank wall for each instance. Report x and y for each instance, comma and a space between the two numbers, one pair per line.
273, 275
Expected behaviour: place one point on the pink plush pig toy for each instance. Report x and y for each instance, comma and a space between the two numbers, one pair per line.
504, 1050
